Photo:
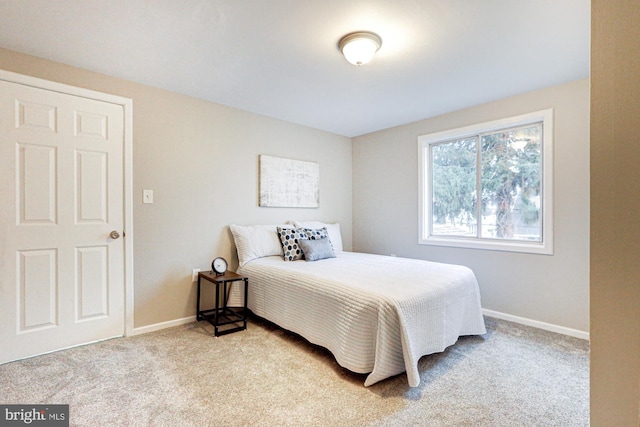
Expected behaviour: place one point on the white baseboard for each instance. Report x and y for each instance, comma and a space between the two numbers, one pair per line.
498, 315
163, 325
537, 324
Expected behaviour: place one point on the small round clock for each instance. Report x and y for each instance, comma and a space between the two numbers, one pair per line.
219, 265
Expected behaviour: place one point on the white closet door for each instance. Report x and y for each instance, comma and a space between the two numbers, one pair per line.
61, 192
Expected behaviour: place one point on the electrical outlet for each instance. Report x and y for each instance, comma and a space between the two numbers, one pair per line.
194, 275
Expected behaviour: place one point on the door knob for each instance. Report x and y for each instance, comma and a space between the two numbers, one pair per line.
114, 234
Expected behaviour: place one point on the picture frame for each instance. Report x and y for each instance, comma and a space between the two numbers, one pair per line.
289, 183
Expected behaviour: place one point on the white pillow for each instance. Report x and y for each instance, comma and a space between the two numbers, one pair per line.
333, 229
256, 241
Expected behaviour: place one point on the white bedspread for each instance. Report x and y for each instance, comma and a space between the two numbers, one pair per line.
376, 314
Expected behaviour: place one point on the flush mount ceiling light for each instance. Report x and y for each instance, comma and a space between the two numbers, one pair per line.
359, 47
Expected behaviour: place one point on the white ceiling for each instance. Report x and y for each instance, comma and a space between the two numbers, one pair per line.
280, 58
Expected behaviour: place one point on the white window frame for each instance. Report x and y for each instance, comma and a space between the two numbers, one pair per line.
545, 246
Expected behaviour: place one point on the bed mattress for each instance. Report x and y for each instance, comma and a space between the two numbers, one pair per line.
376, 314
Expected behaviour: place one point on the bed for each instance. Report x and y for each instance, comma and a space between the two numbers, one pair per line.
376, 314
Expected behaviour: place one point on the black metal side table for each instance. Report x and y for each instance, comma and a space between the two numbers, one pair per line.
223, 318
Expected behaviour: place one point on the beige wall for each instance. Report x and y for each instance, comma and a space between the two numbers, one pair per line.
551, 289
615, 210
201, 161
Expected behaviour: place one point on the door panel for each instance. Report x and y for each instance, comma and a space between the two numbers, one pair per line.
37, 281
92, 285
61, 192
36, 191
91, 187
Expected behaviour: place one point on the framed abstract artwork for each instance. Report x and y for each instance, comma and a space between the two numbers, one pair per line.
289, 183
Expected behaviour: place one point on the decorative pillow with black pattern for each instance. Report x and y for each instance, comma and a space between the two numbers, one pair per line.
315, 233
289, 238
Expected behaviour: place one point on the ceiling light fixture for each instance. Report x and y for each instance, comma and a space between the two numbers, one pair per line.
359, 47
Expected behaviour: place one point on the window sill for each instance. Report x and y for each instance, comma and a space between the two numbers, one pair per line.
537, 248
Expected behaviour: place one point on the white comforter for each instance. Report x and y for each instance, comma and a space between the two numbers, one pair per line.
376, 314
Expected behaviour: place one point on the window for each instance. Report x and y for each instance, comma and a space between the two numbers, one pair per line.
489, 186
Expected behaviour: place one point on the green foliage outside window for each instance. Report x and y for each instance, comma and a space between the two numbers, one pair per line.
509, 185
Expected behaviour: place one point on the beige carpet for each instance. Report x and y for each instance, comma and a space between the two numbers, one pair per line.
513, 376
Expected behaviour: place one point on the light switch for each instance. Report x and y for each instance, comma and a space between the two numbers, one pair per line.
147, 196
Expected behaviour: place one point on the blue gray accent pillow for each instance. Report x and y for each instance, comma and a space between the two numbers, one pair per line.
316, 249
